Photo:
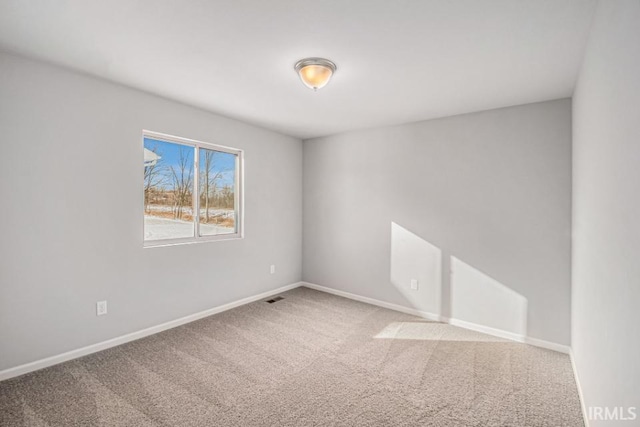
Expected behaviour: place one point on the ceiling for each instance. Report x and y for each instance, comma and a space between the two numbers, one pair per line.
398, 61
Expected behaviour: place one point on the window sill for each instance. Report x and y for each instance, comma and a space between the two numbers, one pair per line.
191, 240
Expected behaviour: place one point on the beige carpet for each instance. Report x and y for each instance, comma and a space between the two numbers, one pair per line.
310, 359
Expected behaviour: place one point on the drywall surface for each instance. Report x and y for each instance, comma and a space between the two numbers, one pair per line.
489, 190
72, 212
606, 215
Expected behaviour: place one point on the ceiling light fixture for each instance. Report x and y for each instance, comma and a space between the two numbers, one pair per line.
315, 73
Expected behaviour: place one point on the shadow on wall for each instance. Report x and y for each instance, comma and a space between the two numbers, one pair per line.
472, 298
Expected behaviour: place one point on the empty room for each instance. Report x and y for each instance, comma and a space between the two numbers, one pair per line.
319, 213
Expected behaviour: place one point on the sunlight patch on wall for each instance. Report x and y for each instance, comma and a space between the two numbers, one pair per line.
480, 299
413, 258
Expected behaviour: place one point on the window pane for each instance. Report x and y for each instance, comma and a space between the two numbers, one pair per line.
168, 190
217, 192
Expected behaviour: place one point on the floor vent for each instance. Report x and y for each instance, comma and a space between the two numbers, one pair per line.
276, 299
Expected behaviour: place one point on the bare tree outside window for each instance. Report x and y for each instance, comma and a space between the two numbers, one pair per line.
217, 196
182, 180
171, 198
153, 174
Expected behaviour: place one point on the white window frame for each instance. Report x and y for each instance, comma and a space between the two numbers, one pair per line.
239, 190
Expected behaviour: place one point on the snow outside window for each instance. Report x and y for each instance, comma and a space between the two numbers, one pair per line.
192, 191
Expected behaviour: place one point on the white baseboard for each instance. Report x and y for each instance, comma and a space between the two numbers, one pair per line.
580, 395
438, 318
372, 301
560, 348
500, 333
74, 354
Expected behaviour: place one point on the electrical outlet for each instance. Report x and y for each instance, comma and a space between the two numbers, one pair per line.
101, 308
273, 269
414, 284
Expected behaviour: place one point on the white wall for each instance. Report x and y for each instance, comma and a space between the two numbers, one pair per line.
606, 211
71, 202
492, 189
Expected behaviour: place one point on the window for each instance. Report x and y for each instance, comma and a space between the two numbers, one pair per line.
192, 191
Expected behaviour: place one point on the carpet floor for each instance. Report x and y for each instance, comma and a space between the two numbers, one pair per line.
311, 359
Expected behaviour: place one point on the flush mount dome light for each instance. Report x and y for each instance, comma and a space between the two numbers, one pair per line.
315, 73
